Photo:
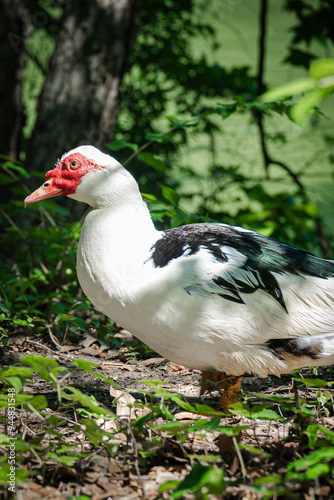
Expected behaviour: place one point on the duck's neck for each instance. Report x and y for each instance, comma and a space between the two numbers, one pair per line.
108, 188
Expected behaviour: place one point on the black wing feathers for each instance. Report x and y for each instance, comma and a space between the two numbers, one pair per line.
264, 256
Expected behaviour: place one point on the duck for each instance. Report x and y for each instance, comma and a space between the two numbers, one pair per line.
208, 296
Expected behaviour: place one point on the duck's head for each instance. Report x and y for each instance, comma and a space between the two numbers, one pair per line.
86, 174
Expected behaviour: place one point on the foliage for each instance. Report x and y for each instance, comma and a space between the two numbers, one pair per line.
315, 89
149, 435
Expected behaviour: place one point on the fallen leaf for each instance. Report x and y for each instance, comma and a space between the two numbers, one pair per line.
174, 367
186, 415
124, 400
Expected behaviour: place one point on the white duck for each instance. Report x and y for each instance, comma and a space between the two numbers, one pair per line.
208, 296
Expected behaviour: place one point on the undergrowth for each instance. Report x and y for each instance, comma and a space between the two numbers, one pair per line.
150, 432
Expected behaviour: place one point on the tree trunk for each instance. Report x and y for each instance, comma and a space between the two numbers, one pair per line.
79, 100
13, 30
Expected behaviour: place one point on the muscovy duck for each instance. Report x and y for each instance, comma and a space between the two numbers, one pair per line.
208, 296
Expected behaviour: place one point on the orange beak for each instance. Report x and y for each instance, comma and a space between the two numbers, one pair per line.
47, 190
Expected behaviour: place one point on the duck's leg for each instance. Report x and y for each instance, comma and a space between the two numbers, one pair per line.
219, 380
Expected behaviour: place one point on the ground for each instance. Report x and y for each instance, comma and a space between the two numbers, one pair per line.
140, 464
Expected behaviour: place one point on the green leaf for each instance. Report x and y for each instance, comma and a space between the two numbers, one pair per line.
160, 138
232, 430
65, 460
322, 68
227, 110
20, 399
312, 434
306, 103
16, 383
257, 411
172, 427
87, 367
204, 458
149, 197
254, 450
289, 89
6, 180
207, 410
278, 399
81, 323
267, 479
63, 317
121, 144
183, 404
172, 484
20, 474
322, 455
314, 382
18, 371
87, 401
170, 194
153, 161
4, 440
38, 402
317, 470
201, 476
43, 366
140, 422
152, 383
22, 171
94, 433
178, 220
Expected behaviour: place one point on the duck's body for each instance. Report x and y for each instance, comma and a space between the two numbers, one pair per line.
207, 296
202, 310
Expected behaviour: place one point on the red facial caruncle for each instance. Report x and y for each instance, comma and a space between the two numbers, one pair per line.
64, 179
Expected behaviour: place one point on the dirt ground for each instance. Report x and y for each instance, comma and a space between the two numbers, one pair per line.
128, 474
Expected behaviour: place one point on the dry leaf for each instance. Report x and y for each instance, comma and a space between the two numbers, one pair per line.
186, 415
174, 367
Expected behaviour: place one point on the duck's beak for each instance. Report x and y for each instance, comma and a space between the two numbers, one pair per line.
47, 190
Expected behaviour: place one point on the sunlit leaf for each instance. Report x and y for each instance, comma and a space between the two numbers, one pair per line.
314, 382
306, 103
322, 68
289, 89
322, 455
254, 450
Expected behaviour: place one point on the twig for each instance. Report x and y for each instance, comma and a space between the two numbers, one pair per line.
297, 398
241, 460
137, 152
53, 338
12, 223
48, 349
136, 455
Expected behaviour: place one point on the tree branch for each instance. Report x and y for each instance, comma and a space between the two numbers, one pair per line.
262, 45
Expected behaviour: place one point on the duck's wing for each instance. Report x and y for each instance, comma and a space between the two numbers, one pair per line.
267, 306
237, 264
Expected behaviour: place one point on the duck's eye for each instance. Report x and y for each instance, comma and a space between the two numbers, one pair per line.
74, 164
